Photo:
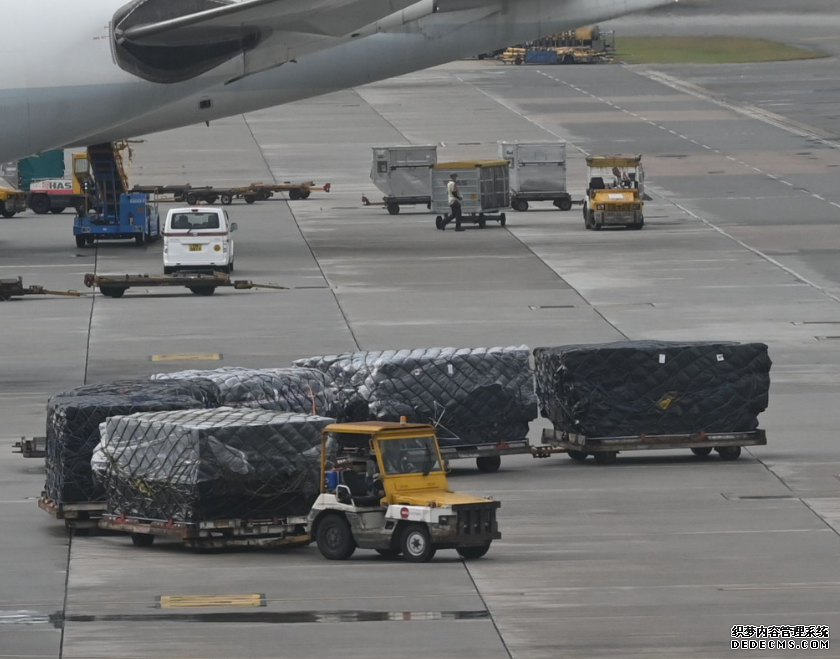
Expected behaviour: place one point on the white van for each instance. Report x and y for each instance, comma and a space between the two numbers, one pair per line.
198, 238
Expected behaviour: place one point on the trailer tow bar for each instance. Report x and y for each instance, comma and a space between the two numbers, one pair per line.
198, 283
10, 288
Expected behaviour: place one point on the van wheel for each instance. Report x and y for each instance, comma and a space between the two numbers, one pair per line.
416, 544
334, 538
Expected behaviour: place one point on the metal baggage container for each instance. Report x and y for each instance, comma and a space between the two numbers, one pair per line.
402, 174
537, 173
484, 184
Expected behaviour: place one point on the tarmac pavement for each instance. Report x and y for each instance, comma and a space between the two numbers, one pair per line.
656, 556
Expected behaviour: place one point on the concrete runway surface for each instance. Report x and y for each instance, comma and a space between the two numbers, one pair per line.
656, 556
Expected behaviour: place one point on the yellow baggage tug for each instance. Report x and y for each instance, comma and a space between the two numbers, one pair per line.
384, 487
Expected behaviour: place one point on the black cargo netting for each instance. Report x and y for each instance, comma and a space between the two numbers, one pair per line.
472, 396
73, 428
298, 390
655, 388
201, 465
203, 390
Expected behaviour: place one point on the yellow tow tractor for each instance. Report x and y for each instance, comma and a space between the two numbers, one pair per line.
614, 195
384, 487
11, 202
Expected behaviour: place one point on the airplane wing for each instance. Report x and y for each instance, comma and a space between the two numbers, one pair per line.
154, 43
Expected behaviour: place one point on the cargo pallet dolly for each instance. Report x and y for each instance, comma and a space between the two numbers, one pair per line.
393, 204
79, 517
488, 457
213, 534
199, 283
537, 173
10, 288
485, 191
33, 447
605, 449
402, 175
249, 193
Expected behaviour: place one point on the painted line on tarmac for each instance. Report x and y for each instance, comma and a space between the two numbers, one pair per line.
752, 112
681, 86
759, 253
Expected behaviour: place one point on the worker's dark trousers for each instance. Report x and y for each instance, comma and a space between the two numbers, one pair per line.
454, 213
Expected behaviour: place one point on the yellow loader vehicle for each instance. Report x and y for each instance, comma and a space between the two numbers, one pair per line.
614, 195
11, 202
384, 488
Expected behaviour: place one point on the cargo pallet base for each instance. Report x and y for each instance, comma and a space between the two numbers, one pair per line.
488, 457
605, 449
79, 518
215, 534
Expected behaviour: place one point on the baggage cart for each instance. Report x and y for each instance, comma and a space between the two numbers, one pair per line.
31, 447
402, 175
537, 173
605, 449
488, 457
200, 283
79, 517
485, 189
213, 534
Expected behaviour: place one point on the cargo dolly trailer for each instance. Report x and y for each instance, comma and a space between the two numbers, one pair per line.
79, 517
200, 283
213, 534
488, 457
605, 449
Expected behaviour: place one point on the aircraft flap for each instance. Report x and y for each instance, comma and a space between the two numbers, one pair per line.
325, 18
156, 41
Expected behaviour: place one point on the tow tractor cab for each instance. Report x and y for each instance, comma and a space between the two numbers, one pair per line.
198, 238
383, 487
614, 193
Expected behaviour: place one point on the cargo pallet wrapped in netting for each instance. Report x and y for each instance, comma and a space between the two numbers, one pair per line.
73, 419
473, 396
634, 388
297, 390
202, 465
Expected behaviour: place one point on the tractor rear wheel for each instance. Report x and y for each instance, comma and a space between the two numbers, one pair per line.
469, 553
334, 538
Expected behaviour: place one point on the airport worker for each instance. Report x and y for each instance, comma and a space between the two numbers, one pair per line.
453, 194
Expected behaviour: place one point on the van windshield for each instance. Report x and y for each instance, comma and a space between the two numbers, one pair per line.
190, 221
